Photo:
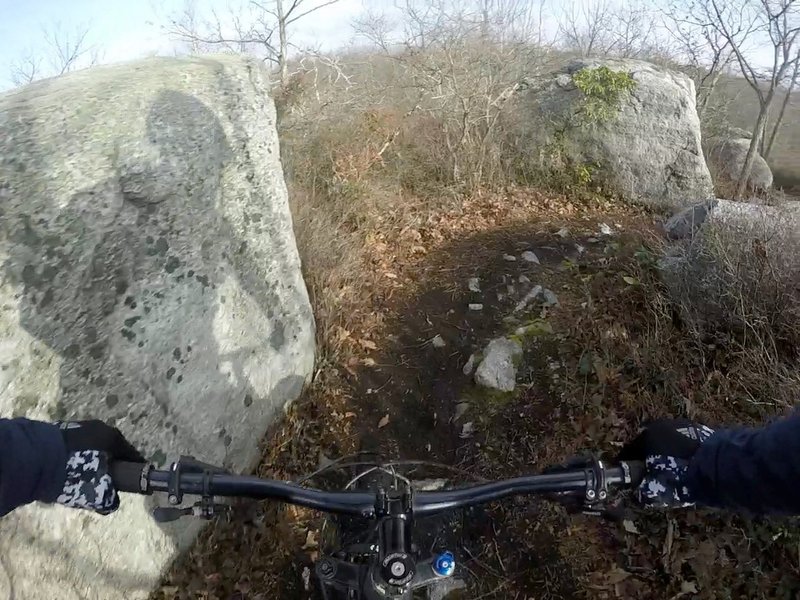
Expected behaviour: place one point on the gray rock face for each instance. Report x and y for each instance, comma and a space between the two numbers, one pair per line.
498, 369
649, 152
687, 222
727, 156
149, 278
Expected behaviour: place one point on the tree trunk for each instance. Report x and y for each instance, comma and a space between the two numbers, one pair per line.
782, 112
758, 132
705, 91
283, 49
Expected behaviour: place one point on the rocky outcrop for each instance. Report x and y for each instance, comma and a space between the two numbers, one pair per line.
648, 151
149, 278
726, 158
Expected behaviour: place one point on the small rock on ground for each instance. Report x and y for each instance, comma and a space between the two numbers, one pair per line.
474, 285
469, 366
498, 370
550, 298
509, 258
438, 341
476, 306
606, 229
443, 588
529, 297
460, 409
530, 257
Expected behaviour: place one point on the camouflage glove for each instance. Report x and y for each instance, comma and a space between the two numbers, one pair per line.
666, 446
91, 447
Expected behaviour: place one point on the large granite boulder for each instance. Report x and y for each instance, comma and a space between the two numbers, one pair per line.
648, 151
150, 278
726, 158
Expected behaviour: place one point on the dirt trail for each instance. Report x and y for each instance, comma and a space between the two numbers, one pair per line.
398, 394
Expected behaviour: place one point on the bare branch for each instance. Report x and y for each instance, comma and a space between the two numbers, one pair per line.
297, 3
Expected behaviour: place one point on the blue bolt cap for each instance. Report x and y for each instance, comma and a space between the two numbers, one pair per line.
445, 564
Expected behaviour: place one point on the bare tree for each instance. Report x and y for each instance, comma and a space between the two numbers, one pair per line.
624, 29
460, 63
792, 83
63, 51
249, 29
702, 48
777, 23
584, 27
26, 70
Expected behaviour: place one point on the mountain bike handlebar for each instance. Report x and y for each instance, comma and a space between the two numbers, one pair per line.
594, 482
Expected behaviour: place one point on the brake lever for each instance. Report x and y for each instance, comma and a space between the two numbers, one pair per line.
204, 509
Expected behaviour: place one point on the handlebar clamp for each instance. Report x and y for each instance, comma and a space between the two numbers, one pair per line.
188, 464
596, 483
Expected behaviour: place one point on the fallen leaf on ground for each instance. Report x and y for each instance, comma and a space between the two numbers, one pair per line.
368, 344
630, 526
616, 575
311, 540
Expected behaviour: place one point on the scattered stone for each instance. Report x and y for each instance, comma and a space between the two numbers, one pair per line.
438, 341
535, 328
467, 370
323, 461
497, 370
460, 409
467, 430
509, 258
511, 289
529, 297
592, 240
550, 298
530, 257
580, 249
476, 306
523, 279
563, 232
474, 285
606, 229
443, 588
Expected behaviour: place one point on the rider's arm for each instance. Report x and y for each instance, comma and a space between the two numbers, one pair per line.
754, 470
32, 463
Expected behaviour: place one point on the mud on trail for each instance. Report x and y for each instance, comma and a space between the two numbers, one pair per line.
590, 374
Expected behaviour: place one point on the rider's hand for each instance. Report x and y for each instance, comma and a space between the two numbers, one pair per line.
91, 447
666, 446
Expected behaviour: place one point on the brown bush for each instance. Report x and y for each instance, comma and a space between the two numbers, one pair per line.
736, 291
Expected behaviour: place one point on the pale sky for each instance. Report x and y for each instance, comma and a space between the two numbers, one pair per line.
130, 29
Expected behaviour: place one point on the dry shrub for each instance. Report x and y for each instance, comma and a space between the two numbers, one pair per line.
737, 290
333, 265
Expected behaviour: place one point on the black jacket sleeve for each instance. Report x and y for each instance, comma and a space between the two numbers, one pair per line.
750, 470
33, 463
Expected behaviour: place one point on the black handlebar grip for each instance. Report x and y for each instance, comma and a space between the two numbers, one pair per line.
130, 477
